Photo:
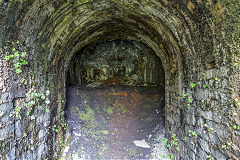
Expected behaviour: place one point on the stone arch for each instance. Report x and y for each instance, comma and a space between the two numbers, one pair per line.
158, 32
191, 38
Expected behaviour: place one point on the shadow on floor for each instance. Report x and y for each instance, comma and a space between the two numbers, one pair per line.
114, 123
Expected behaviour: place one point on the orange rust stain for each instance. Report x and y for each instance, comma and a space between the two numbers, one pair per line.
136, 96
121, 93
191, 7
157, 97
111, 81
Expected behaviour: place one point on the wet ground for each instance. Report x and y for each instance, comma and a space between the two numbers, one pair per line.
103, 123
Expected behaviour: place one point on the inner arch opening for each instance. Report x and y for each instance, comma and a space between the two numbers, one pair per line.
115, 101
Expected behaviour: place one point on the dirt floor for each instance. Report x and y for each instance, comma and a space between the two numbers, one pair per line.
103, 123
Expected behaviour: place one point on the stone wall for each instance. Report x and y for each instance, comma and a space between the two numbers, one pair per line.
197, 42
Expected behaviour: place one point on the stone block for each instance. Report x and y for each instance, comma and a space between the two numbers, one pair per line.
201, 94
6, 107
224, 83
216, 116
222, 131
219, 155
201, 154
209, 74
191, 154
4, 96
205, 114
204, 145
40, 151
190, 119
224, 71
18, 129
6, 119
47, 116
205, 135
41, 134
11, 154
40, 119
6, 131
213, 138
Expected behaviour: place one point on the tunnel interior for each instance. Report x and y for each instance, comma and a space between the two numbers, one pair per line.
115, 101
97, 88
119, 62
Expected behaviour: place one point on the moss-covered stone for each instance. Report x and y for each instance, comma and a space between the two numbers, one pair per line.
190, 37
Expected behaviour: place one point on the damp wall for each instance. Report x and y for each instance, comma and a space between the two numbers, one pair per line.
197, 42
116, 63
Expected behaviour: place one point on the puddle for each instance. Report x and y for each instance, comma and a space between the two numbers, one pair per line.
104, 123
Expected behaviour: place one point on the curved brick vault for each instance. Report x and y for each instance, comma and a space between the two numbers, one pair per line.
192, 39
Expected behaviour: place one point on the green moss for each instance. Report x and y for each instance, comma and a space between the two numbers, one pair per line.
123, 109
87, 115
84, 1
105, 132
109, 110
133, 151
91, 128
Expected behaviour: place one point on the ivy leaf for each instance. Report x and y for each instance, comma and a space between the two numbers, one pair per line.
13, 49
192, 85
164, 139
32, 117
47, 93
204, 86
190, 100
47, 101
184, 95
194, 133
39, 95
18, 71
224, 146
40, 107
23, 54
17, 65
25, 63
235, 64
235, 127
7, 58
16, 54
43, 96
